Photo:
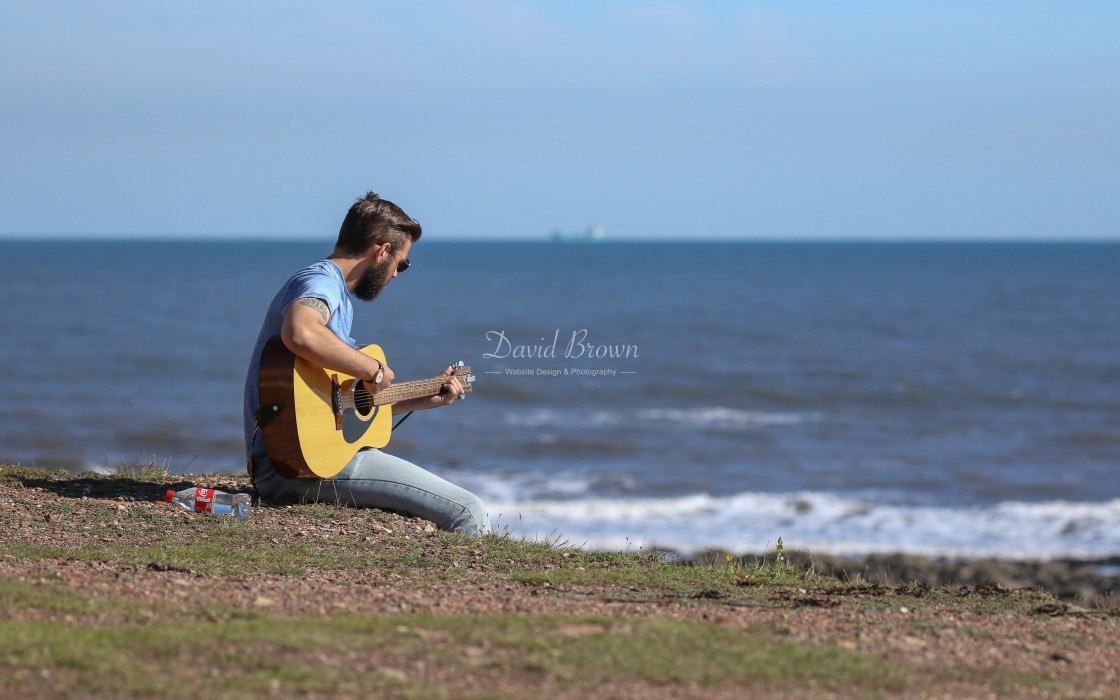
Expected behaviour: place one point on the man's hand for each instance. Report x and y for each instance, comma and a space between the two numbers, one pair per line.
453, 388
387, 377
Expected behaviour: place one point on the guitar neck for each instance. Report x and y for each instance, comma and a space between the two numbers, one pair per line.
409, 390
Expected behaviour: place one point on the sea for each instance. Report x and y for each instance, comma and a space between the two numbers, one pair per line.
947, 399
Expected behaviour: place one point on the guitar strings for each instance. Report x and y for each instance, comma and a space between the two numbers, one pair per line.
399, 392
385, 397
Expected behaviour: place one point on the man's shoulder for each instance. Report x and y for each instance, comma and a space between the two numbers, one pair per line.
319, 268
319, 275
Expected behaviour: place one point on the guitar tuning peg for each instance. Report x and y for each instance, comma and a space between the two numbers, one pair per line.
470, 379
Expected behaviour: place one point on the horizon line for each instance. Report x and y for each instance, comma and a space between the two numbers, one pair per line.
274, 238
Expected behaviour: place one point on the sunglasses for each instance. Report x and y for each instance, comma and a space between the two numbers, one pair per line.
402, 263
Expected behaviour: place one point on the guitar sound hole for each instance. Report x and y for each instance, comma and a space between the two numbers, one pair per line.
363, 400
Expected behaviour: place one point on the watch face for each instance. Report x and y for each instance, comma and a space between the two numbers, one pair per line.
380, 375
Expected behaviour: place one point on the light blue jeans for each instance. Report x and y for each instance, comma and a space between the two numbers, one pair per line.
373, 479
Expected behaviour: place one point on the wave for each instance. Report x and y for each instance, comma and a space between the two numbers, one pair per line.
707, 417
823, 523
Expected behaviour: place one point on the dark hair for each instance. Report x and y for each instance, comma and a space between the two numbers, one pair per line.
373, 221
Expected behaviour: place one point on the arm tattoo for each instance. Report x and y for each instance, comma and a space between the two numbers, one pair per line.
318, 305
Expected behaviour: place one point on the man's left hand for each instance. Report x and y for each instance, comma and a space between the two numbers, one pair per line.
453, 389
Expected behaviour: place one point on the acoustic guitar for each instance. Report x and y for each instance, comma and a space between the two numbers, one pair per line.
314, 420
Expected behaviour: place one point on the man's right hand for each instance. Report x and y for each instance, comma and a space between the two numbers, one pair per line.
371, 384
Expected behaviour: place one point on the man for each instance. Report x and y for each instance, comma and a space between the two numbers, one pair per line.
312, 314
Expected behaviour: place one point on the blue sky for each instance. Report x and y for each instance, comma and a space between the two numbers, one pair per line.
691, 120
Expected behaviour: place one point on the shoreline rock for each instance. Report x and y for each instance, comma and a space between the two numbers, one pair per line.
1088, 583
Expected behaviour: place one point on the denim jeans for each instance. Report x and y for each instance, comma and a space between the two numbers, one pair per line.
373, 479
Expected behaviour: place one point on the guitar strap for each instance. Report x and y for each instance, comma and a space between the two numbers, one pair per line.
267, 413
262, 417
252, 444
402, 420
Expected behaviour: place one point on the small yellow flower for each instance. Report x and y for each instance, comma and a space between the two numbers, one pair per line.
728, 557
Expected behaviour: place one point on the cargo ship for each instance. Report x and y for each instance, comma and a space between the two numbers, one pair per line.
594, 234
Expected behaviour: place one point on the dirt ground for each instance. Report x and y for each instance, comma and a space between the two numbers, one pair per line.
1071, 648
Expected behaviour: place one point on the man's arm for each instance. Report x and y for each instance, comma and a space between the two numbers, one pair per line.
305, 333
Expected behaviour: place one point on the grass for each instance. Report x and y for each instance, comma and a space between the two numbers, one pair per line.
251, 655
106, 592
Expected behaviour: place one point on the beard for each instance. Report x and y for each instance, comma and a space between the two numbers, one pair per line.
373, 281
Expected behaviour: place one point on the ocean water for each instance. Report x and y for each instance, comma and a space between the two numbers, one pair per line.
946, 399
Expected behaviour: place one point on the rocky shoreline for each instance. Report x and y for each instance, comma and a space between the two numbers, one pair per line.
1087, 583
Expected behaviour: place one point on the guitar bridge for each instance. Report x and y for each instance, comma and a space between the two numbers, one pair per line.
336, 401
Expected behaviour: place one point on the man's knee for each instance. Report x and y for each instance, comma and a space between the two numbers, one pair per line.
474, 522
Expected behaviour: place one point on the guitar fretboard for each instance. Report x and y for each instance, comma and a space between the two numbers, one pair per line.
410, 390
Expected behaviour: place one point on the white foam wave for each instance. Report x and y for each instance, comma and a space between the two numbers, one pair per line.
502, 487
723, 417
709, 417
97, 468
822, 523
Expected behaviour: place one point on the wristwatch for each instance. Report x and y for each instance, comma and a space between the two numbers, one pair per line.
380, 372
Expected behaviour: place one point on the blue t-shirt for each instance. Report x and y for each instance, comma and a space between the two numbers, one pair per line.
321, 280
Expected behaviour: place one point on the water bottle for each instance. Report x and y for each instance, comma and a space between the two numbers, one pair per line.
202, 500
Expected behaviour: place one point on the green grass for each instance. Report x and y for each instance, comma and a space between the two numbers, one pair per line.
252, 656
102, 640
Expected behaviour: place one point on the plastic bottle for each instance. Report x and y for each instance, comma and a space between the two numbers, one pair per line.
200, 500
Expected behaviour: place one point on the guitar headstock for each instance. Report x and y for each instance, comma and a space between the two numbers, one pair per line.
463, 373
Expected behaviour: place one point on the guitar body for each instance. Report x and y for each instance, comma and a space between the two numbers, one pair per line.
314, 421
